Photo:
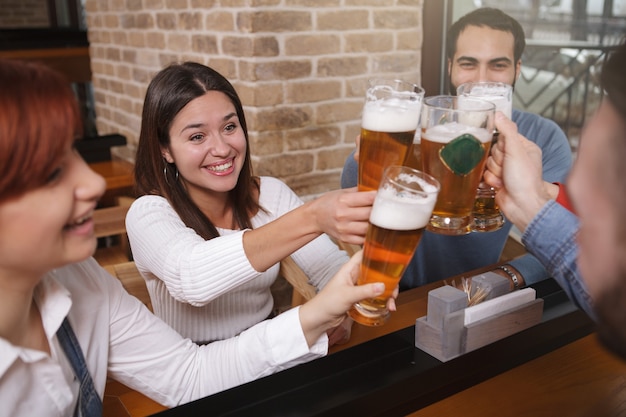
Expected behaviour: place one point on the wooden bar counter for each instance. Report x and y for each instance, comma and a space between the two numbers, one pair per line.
119, 177
118, 174
555, 368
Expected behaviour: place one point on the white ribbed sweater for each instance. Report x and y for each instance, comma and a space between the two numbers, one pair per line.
206, 289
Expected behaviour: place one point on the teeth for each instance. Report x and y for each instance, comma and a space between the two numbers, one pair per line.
222, 167
82, 220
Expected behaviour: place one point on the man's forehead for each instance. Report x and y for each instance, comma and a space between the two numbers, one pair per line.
474, 41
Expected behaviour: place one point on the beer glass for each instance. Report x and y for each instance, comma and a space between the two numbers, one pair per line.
391, 115
455, 143
414, 155
401, 211
487, 215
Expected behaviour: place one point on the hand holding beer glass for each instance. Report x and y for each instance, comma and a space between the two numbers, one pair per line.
456, 139
487, 215
390, 118
401, 211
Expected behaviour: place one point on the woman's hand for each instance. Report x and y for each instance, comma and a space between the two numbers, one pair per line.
328, 309
344, 214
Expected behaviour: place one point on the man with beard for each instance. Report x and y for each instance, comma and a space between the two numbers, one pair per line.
484, 45
585, 254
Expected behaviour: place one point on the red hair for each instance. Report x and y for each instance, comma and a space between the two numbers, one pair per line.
38, 117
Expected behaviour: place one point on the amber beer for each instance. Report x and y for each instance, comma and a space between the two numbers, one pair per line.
399, 216
380, 149
453, 212
385, 257
455, 141
414, 156
485, 201
487, 214
390, 119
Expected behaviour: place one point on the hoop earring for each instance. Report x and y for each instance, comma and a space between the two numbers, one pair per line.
165, 173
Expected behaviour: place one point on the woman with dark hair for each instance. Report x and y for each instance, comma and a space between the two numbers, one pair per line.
65, 323
207, 235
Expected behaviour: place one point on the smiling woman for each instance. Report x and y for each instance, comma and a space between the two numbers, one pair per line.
47, 121
63, 316
208, 147
206, 234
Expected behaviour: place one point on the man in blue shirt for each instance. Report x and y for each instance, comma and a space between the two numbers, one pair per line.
484, 45
538, 208
586, 257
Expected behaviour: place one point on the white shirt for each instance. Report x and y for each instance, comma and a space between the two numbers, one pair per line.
119, 336
207, 289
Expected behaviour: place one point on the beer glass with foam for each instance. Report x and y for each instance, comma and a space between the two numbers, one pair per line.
390, 119
456, 139
487, 215
400, 213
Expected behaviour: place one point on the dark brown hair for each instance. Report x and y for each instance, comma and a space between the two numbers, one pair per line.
38, 117
171, 90
491, 18
613, 80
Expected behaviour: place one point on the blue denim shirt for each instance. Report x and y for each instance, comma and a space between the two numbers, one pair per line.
551, 237
439, 257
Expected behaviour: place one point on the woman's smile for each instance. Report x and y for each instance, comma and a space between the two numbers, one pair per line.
83, 225
222, 168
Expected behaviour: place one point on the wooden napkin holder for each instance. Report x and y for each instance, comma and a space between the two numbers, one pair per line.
451, 328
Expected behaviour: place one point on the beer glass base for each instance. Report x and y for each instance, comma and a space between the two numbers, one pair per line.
367, 316
452, 226
488, 224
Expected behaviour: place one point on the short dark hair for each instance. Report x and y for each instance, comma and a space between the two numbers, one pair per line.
492, 18
613, 80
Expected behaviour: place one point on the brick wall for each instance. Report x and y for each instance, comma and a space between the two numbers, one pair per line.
300, 67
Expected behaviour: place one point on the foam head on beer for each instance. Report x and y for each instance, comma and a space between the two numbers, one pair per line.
390, 120
499, 94
398, 210
471, 111
445, 133
386, 111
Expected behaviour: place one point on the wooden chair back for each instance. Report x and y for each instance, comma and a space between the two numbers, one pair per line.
110, 222
350, 248
302, 290
131, 280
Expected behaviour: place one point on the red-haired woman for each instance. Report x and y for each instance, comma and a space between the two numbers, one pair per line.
65, 324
